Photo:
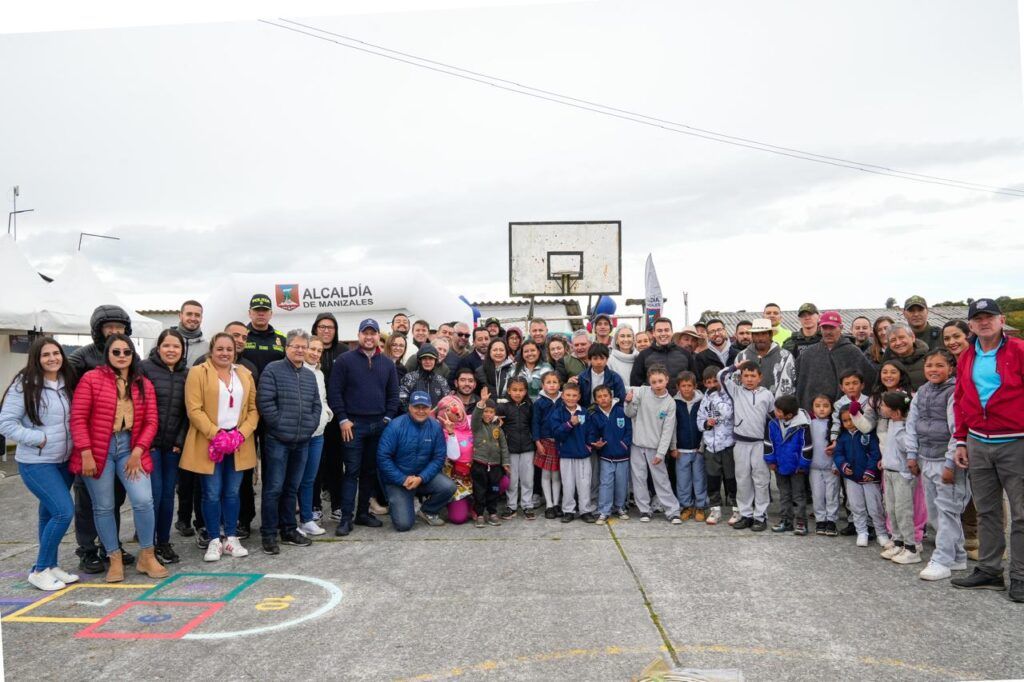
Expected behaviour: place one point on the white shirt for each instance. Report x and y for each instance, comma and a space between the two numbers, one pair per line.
228, 414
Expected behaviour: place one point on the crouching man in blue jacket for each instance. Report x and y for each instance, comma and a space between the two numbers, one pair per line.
411, 453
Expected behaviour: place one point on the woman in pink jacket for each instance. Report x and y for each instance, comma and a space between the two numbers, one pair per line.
113, 422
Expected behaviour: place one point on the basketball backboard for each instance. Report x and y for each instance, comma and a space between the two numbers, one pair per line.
565, 258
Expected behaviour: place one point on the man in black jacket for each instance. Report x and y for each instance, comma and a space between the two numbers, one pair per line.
289, 403
265, 344
721, 352
662, 352
809, 332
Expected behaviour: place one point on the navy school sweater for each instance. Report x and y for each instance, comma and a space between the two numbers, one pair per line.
572, 440
688, 436
542, 408
615, 428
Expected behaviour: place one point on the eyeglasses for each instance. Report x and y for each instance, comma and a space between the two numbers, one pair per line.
117, 352
325, 327
297, 347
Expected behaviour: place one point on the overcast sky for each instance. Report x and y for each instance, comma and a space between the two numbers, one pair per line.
242, 147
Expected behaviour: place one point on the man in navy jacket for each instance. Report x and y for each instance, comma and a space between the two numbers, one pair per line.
409, 458
363, 394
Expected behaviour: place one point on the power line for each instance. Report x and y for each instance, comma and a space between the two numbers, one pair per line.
627, 115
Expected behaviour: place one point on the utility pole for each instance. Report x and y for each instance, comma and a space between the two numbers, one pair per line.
12, 216
686, 308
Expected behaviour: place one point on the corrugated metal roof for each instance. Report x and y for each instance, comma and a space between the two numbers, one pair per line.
525, 302
937, 316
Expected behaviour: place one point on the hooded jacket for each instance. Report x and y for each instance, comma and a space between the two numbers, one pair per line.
716, 405
751, 409
791, 444
673, 358
913, 362
91, 356
337, 348
432, 383
169, 386
778, 369
818, 369
54, 412
489, 443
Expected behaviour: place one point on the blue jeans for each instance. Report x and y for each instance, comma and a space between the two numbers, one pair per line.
691, 481
316, 448
51, 483
140, 493
614, 483
283, 466
400, 501
220, 497
163, 479
359, 457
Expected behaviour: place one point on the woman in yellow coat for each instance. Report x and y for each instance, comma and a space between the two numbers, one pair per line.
220, 398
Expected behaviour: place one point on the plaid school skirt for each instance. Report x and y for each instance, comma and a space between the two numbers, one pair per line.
547, 461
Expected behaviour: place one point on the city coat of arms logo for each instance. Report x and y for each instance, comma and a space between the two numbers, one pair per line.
287, 296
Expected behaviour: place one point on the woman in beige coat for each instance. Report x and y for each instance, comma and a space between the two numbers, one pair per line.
220, 396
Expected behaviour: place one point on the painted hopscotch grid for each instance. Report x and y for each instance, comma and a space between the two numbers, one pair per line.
20, 616
181, 587
149, 621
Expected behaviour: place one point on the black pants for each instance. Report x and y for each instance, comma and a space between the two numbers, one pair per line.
486, 481
247, 492
190, 498
329, 476
720, 467
85, 526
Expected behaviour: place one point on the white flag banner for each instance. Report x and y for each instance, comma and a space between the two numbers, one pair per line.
652, 292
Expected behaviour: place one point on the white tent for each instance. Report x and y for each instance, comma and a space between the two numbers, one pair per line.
351, 296
21, 289
75, 293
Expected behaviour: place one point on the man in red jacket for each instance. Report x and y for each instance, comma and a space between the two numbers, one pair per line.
989, 406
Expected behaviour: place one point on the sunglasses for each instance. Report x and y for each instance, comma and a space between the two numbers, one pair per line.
462, 335
117, 352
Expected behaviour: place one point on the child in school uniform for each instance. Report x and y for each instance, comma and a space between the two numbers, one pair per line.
856, 459
824, 481
610, 436
516, 414
691, 481
930, 448
714, 419
546, 450
653, 411
490, 460
899, 482
753, 406
790, 459
568, 423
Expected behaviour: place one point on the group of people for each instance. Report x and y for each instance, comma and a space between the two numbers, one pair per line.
902, 423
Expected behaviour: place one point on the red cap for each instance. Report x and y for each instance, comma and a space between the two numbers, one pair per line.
830, 318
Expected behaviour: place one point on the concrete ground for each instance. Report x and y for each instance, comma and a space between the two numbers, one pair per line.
534, 600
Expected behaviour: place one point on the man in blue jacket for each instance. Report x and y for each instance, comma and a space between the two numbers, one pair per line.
289, 403
409, 459
363, 394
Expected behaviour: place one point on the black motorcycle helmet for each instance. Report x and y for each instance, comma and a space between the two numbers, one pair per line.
108, 313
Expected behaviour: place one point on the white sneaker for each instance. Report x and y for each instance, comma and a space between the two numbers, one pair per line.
907, 557
318, 515
45, 581
884, 540
714, 516
63, 576
676, 521
377, 508
233, 547
862, 540
934, 571
213, 551
955, 566
735, 517
890, 550
311, 528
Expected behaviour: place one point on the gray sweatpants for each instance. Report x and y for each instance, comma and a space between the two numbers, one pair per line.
753, 478
995, 469
576, 475
899, 505
865, 499
945, 505
640, 460
825, 495
520, 480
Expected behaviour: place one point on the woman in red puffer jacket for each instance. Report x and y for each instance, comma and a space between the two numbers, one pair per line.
113, 423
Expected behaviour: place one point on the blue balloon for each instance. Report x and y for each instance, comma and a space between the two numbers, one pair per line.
605, 306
